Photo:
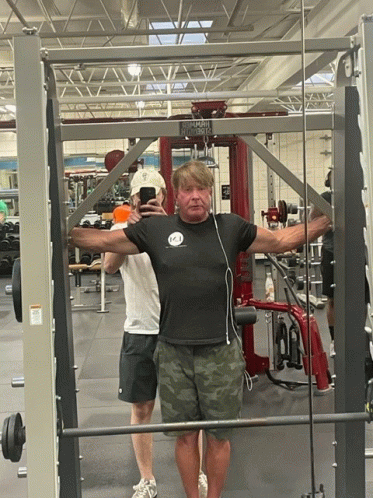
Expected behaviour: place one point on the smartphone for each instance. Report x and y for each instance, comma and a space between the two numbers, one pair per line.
146, 193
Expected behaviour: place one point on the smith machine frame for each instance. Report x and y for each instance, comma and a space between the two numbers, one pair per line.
52, 453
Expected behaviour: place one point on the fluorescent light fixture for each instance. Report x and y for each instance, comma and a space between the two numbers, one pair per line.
134, 69
11, 108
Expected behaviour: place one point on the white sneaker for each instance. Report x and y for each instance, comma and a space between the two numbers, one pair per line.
332, 350
145, 489
202, 485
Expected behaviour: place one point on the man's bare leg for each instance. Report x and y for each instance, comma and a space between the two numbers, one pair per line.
188, 462
202, 478
141, 413
330, 312
200, 449
217, 459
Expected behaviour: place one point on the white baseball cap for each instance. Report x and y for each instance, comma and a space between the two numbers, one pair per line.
147, 177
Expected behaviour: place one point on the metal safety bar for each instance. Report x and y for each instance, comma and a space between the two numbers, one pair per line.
324, 418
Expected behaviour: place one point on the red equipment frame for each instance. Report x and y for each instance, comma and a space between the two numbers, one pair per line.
239, 158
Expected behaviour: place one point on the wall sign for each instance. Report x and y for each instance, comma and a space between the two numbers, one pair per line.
196, 127
225, 192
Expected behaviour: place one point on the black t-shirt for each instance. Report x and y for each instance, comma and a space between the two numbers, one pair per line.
191, 268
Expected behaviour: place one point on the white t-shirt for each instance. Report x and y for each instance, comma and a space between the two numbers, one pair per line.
140, 293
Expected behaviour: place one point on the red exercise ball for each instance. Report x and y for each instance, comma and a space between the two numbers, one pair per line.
112, 158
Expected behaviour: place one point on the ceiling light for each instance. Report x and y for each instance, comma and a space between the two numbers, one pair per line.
11, 108
134, 69
140, 104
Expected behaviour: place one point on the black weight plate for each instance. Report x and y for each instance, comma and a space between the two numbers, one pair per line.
15, 447
282, 211
16, 289
4, 439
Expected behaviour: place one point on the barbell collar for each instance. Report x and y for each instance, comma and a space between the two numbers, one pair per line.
18, 382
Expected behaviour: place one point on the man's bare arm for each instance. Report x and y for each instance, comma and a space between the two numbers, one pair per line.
113, 261
93, 240
287, 239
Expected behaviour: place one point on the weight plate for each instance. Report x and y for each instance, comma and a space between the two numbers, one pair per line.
15, 446
282, 212
4, 439
16, 289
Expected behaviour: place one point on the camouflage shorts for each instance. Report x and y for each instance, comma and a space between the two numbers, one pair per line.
200, 383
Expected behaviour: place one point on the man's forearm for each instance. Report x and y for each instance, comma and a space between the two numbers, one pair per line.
113, 262
94, 240
89, 239
294, 237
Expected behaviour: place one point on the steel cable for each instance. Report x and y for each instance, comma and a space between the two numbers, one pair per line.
305, 199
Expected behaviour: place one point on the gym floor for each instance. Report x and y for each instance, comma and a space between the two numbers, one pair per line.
266, 462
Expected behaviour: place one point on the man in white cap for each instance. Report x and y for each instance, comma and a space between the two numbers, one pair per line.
137, 374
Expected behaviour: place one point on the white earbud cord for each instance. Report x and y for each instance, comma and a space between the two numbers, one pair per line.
228, 277
229, 273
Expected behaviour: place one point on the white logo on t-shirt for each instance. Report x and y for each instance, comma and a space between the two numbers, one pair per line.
175, 239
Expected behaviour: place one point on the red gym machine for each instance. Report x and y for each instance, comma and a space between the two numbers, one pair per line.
239, 158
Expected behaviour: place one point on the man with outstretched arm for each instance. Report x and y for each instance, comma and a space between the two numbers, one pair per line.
199, 355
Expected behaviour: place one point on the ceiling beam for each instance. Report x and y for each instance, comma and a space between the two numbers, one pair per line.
135, 32
190, 52
18, 14
328, 19
160, 97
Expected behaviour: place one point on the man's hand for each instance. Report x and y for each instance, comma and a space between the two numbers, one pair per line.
324, 220
152, 208
315, 213
134, 217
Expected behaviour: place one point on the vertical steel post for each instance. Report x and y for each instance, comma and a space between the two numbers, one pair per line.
165, 159
36, 266
364, 81
349, 296
69, 463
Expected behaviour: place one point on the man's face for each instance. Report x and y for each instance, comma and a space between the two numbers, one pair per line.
194, 202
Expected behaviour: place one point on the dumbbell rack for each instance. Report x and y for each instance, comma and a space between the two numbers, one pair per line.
316, 298
80, 263
9, 245
77, 270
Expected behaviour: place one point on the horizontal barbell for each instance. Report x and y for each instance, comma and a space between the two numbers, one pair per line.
13, 435
324, 418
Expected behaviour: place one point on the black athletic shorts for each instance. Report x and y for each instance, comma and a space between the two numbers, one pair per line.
137, 373
327, 272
